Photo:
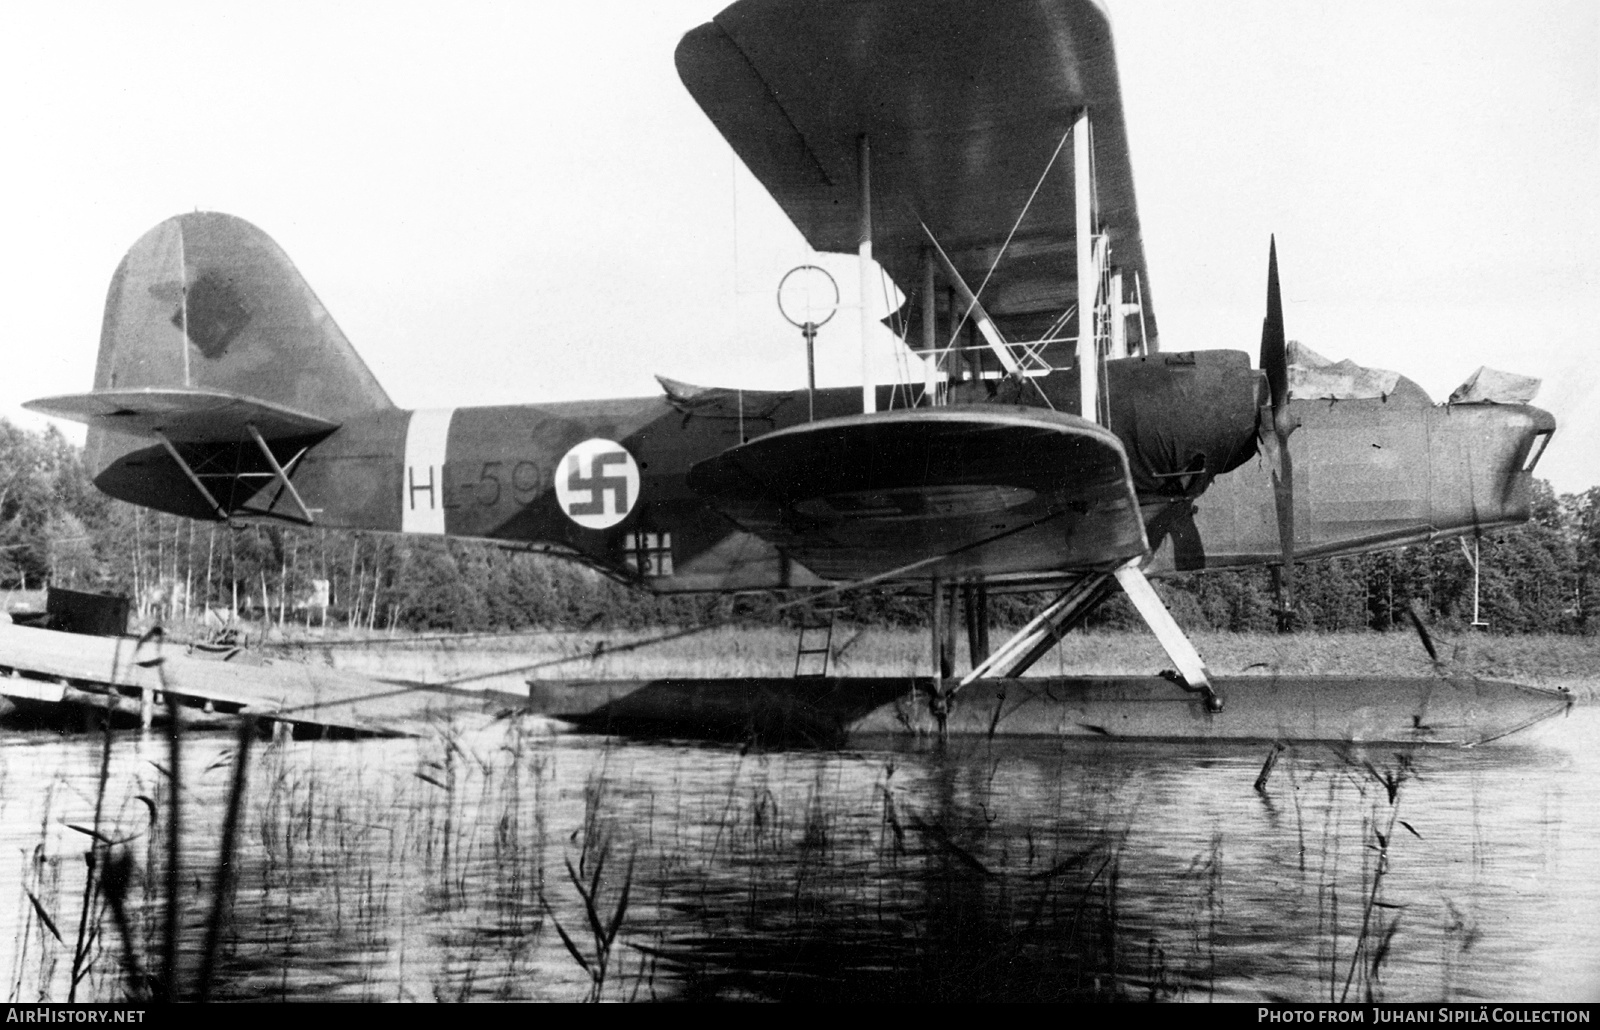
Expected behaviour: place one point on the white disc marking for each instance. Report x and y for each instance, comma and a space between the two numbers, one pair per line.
597, 483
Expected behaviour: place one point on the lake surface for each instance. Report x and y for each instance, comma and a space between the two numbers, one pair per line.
501, 861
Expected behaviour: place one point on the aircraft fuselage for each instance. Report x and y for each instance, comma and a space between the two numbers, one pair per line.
606, 481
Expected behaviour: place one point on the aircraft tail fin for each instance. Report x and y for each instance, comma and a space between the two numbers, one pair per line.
208, 302
212, 344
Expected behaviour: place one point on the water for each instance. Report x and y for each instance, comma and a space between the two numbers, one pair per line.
500, 862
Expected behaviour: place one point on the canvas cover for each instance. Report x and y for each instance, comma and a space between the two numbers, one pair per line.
1491, 386
1314, 377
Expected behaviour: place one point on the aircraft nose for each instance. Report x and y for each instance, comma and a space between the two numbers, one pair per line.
1483, 457
1520, 449
1535, 438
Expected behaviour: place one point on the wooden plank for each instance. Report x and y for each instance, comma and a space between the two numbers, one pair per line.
288, 691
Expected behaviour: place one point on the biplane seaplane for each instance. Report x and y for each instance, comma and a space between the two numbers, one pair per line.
976, 155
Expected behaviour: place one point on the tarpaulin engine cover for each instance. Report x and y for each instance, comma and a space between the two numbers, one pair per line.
1180, 413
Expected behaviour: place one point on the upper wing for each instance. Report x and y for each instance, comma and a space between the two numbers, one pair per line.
968, 490
963, 103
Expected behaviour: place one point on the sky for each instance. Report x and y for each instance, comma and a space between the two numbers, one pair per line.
514, 202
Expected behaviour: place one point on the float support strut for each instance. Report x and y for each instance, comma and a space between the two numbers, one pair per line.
939, 703
1043, 631
1192, 675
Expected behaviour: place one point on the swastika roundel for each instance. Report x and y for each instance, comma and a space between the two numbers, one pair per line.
597, 483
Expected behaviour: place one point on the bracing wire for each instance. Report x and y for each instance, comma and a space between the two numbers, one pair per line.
901, 327
955, 333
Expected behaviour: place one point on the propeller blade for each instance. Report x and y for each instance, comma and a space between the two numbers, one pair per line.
1275, 363
1283, 496
1274, 350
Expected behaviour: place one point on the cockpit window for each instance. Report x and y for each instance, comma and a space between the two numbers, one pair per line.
1536, 451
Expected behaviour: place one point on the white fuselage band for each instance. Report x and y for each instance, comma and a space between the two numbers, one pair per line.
422, 482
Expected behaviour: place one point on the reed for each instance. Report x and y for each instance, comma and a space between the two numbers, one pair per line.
1356, 939
1380, 920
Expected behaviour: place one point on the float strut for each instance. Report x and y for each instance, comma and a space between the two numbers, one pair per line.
939, 702
1191, 675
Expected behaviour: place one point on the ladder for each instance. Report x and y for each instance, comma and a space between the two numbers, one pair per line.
816, 643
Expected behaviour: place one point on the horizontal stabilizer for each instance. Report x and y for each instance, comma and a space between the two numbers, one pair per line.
183, 416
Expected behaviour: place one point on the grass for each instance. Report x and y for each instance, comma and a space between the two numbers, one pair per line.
505, 662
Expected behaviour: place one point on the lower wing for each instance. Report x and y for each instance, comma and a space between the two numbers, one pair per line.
996, 493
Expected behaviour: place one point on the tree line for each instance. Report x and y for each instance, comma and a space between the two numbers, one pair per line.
57, 529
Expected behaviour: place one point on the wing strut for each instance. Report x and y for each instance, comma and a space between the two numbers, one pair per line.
1119, 317
930, 333
1088, 273
869, 391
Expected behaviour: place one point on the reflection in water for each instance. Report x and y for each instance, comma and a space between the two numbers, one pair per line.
499, 862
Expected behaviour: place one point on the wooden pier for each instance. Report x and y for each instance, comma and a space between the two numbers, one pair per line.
52, 673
